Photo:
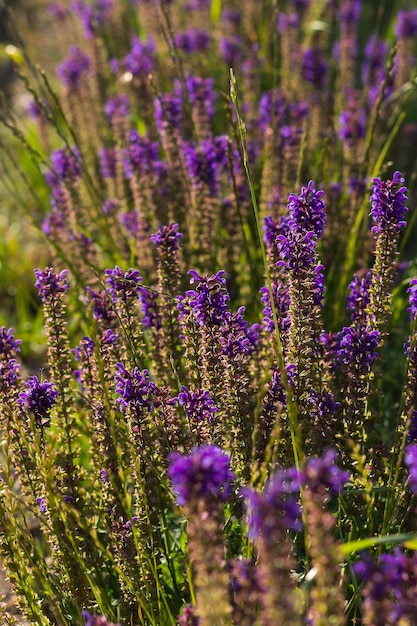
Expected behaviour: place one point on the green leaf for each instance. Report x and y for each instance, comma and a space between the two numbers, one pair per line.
408, 540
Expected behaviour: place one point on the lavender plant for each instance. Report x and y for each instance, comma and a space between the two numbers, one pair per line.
208, 442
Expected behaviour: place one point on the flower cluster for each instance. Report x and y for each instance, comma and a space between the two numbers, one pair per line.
198, 404
135, 390
50, 284
39, 397
388, 200
204, 473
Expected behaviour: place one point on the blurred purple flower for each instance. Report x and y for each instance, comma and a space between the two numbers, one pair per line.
204, 473
192, 40
322, 475
406, 26
276, 507
74, 68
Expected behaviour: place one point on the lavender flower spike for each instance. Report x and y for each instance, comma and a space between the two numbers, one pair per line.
308, 210
38, 398
388, 204
321, 475
49, 283
205, 473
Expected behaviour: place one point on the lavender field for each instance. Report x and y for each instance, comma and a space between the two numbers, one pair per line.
208, 387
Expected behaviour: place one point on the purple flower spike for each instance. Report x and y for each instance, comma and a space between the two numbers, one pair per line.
49, 283
135, 389
198, 404
412, 299
204, 473
321, 474
117, 107
406, 24
388, 204
276, 507
209, 299
39, 398
74, 68
359, 296
410, 459
8, 344
67, 164
308, 210
92, 15
192, 40
123, 285
167, 237
357, 346
141, 59
314, 68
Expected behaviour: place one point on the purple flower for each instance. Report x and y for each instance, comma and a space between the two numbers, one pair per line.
192, 40
123, 285
358, 298
321, 474
314, 68
66, 164
232, 49
357, 346
168, 111
406, 26
198, 404
204, 473
9, 372
350, 11
141, 59
352, 125
207, 162
74, 68
141, 155
167, 237
410, 459
388, 204
135, 389
117, 107
150, 310
209, 299
92, 15
308, 210
390, 586
104, 476
86, 347
49, 283
276, 507
42, 505
201, 93
297, 250
412, 299
107, 158
101, 305
38, 398
8, 344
